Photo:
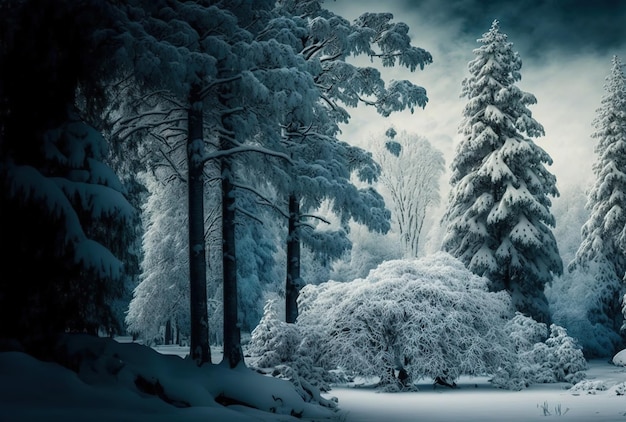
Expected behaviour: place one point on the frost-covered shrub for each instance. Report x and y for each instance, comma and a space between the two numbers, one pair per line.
279, 346
566, 357
273, 341
619, 389
543, 358
420, 318
413, 319
589, 386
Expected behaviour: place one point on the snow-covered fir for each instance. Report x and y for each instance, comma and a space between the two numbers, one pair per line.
498, 217
594, 281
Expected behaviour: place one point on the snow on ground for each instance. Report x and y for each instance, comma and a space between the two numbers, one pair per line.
31, 390
123, 382
477, 401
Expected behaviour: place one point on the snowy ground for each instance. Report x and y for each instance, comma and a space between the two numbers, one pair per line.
38, 391
475, 400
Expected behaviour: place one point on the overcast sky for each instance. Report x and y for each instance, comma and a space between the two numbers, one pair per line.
566, 47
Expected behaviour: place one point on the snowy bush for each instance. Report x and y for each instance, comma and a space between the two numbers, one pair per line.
413, 319
619, 389
543, 358
589, 387
279, 349
410, 319
273, 341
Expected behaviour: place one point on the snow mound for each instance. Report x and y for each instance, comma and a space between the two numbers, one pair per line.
123, 379
618, 389
589, 387
620, 358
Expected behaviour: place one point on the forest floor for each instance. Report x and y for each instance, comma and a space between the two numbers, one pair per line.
475, 399
34, 390
600, 398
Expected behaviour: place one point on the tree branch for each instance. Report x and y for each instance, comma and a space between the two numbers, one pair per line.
245, 148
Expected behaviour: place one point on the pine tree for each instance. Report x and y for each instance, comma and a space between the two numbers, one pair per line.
63, 209
327, 41
603, 236
498, 218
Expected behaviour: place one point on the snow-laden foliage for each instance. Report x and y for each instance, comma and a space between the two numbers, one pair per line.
163, 292
410, 172
603, 236
498, 217
576, 299
273, 340
322, 168
413, 319
544, 356
430, 317
282, 350
70, 213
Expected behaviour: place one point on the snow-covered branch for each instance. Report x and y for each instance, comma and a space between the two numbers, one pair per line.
246, 148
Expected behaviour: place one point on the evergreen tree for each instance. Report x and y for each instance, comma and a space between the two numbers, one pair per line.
230, 87
162, 295
323, 165
498, 218
63, 209
603, 236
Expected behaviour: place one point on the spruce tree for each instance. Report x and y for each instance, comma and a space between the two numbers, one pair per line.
498, 218
603, 236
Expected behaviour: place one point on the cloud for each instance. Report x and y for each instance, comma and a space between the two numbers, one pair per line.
565, 45
540, 26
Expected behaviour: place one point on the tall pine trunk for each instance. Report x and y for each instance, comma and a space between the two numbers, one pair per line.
233, 353
292, 284
199, 338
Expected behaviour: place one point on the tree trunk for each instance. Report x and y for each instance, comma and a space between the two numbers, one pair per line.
232, 335
233, 353
168, 332
292, 284
199, 337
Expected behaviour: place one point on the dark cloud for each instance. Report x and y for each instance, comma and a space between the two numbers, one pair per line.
536, 26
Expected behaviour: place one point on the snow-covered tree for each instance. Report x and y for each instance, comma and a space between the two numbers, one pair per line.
411, 169
323, 165
162, 296
601, 256
170, 50
412, 319
423, 318
63, 209
498, 217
